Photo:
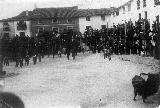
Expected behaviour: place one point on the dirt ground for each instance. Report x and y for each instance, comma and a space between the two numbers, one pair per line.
87, 82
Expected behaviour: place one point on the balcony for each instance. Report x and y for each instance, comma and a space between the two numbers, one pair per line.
21, 25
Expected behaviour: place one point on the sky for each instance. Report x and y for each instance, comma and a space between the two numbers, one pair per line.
10, 8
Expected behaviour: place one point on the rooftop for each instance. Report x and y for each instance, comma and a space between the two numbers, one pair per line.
63, 12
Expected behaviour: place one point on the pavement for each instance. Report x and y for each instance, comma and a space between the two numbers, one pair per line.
87, 82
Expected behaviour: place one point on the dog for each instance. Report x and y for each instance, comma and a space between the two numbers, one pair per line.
145, 87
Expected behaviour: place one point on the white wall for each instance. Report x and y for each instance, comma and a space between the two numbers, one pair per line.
95, 22
152, 12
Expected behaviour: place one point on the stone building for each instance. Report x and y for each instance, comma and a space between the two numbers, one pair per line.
54, 19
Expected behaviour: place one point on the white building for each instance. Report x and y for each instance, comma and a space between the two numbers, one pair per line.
85, 18
135, 9
10, 28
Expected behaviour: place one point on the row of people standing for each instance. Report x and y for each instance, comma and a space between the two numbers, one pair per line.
123, 39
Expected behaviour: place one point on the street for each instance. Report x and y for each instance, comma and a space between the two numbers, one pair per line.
87, 82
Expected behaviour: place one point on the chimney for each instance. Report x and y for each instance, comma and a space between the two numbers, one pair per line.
26, 12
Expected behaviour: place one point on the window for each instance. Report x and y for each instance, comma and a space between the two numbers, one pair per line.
6, 35
5, 24
145, 14
6, 28
139, 15
117, 13
88, 18
138, 4
54, 20
88, 27
21, 25
55, 29
103, 17
103, 26
39, 21
129, 7
70, 27
40, 29
69, 20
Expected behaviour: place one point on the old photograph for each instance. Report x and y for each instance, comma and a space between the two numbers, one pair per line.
79, 53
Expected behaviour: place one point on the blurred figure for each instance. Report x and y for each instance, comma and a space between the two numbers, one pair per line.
21, 62
27, 60
17, 61
34, 59
39, 57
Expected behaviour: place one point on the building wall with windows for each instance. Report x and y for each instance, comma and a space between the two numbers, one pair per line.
7, 30
50, 25
96, 22
138, 8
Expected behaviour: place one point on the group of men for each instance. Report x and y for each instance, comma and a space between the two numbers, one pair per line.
124, 39
120, 39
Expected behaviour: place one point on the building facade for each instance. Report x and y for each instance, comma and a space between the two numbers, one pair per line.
136, 9
55, 19
58, 19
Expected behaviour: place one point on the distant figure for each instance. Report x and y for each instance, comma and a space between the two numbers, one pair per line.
21, 62
68, 53
27, 60
39, 57
17, 61
42, 54
34, 59
83, 50
59, 53
6, 61
10, 100
107, 53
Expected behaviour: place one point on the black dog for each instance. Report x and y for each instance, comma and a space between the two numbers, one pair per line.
145, 88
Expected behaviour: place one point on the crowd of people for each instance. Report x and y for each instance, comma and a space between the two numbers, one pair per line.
123, 38
21, 48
